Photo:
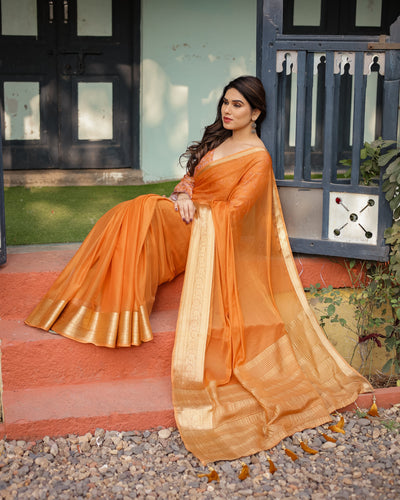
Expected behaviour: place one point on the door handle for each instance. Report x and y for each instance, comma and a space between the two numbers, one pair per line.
51, 11
66, 8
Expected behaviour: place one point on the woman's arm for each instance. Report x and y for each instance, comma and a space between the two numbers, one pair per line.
182, 198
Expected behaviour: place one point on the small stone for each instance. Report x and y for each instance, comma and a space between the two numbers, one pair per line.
375, 433
363, 422
54, 449
245, 493
316, 442
42, 462
18, 450
103, 469
357, 474
85, 447
164, 433
328, 445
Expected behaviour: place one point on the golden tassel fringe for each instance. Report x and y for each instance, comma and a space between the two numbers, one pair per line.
245, 472
328, 438
290, 453
272, 467
338, 427
306, 448
212, 476
373, 411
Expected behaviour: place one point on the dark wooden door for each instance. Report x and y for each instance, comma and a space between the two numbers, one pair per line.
68, 86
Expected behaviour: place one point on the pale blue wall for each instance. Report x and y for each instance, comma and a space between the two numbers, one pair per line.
190, 50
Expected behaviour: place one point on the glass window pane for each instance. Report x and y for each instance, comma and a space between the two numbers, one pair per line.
21, 111
368, 12
370, 107
94, 18
302, 210
95, 111
307, 13
13, 23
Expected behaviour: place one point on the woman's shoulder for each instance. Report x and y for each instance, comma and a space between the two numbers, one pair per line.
260, 151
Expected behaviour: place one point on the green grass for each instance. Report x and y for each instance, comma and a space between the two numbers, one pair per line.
64, 214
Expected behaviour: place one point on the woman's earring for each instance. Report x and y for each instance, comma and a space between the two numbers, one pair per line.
253, 127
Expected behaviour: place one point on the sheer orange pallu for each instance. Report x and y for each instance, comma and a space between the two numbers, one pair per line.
250, 364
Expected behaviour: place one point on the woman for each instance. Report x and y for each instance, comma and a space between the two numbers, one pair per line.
250, 363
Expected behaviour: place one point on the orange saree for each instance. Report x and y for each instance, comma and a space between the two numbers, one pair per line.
250, 363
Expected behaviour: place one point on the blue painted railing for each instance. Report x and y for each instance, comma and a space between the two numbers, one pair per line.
310, 169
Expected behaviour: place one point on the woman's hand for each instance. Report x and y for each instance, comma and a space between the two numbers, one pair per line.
186, 207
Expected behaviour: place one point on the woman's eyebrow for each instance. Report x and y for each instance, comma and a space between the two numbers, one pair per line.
235, 100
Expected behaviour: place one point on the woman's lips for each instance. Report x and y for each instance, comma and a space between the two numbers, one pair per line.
227, 120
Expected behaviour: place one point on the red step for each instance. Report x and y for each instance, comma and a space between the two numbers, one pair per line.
77, 409
55, 386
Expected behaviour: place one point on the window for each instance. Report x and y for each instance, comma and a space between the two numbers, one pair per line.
339, 17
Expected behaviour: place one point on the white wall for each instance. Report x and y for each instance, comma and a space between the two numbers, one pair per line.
190, 50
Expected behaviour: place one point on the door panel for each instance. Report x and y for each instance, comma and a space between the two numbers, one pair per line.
66, 83
28, 86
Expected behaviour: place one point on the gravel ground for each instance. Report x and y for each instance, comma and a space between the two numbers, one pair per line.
363, 463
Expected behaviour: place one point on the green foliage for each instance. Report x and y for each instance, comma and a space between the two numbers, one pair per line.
330, 298
376, 305
392, 426
371, 161
360, 413
382, 155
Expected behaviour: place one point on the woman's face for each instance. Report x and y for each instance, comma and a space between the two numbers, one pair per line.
236, 111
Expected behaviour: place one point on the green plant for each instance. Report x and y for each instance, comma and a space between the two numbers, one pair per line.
383, 155
330, 298
370, 166
368, 310
360, 414
391, 425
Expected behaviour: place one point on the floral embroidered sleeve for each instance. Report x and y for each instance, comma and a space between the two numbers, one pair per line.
184, 186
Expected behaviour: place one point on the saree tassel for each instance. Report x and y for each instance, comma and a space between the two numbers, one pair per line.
307, 449
373, 411
212, 476
290, 453
336, 428
272, 467
340, 424
328, 438
245, 472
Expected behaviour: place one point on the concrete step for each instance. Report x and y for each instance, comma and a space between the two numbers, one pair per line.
77, 409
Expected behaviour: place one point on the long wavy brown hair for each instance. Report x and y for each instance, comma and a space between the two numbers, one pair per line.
215, 134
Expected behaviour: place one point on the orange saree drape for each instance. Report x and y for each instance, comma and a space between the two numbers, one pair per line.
250, 363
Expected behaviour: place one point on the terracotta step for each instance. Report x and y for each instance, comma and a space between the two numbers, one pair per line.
77, 409
33, 358
55, 386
